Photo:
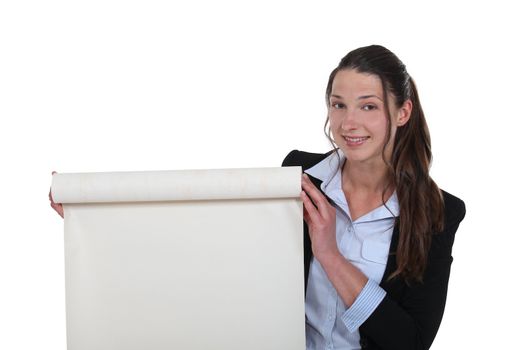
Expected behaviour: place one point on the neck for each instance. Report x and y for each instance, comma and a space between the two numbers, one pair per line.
371, 178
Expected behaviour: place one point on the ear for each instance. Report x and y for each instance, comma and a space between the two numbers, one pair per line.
404, 113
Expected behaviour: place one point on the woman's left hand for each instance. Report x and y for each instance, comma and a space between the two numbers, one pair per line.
57, 206
319, 214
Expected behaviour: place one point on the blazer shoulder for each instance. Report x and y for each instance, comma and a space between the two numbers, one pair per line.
304, 159
455, 209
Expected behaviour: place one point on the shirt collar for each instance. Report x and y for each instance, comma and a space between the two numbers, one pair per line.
328, 167
329, 172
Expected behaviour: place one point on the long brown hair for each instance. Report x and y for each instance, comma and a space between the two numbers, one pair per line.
421, 210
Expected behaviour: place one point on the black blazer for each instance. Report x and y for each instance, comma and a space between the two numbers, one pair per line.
409, 316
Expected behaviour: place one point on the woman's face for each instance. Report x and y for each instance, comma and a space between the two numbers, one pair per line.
358, 119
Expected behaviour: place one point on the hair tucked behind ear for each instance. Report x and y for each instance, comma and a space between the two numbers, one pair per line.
420, 202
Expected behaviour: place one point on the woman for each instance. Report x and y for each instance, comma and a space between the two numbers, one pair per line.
379, 232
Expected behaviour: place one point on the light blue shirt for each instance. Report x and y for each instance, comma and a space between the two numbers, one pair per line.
364, 242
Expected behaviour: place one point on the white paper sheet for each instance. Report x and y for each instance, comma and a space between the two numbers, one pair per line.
194, 259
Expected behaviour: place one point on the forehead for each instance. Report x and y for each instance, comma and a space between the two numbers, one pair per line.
351, 83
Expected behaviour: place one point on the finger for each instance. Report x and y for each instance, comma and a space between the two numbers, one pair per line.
312, 211
51, 196
317, 197
58, 208
306, 216
311, 189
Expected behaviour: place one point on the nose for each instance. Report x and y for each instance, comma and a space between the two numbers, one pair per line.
349, 121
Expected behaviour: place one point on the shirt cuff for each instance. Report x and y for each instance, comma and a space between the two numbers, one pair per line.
366, 302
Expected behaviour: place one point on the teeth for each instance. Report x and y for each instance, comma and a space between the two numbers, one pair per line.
355, 139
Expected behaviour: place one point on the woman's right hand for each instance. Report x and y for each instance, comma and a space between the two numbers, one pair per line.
57, 206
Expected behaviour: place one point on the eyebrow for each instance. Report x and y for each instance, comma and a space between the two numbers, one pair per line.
360, 97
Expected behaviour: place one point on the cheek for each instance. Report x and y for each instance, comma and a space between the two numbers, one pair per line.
379, 125
333, 122
393, 130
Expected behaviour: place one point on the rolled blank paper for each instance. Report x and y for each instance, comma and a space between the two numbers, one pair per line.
177, 185
188, 259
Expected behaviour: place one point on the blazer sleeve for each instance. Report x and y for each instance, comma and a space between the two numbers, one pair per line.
413, 321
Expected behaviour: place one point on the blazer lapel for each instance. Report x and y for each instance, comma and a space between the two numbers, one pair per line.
393, 286
307, 242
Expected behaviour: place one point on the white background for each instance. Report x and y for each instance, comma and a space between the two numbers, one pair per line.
155, 85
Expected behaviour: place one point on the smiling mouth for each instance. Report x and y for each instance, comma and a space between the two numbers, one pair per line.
355, 141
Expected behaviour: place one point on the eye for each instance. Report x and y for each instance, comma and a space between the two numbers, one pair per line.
369, 107
338, 105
